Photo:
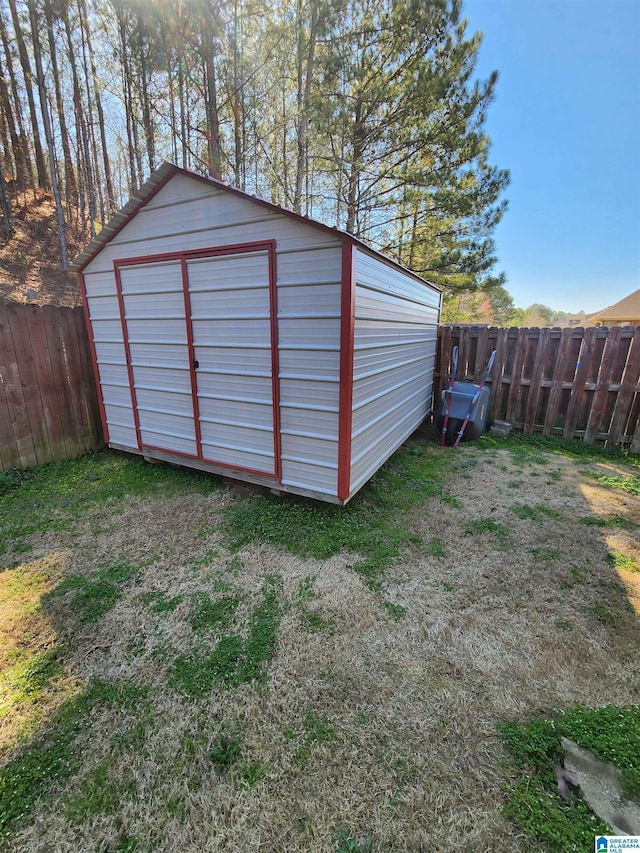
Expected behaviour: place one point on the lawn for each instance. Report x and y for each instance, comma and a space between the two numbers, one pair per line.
189, 664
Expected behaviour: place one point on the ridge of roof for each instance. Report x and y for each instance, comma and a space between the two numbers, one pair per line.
163, 175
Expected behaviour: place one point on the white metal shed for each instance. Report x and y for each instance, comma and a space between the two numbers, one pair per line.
234, 336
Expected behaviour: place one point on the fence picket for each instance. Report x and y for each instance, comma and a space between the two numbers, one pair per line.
597, 420
515, 387
560, 370
624, 398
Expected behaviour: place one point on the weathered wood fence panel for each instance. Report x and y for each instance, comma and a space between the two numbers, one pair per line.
576, 383
48, 397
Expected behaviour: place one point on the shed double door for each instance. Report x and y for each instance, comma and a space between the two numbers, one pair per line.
199, 351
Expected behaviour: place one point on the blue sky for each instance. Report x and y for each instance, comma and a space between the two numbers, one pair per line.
566, 123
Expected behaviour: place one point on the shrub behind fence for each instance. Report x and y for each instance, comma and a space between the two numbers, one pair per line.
576, 383
48, 398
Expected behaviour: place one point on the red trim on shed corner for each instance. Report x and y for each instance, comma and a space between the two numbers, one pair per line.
275, 360
94, 356
347, 330
127, 354
192, 356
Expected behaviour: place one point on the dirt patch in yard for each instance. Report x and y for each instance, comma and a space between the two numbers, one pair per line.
360, 727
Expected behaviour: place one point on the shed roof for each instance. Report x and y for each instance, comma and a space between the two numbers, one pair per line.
626, 309
165, 172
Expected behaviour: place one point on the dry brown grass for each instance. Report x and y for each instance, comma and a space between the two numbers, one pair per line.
386, 729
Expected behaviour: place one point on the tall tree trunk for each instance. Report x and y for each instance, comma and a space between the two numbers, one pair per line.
126, 93
43, 179
111, 197
147, 123
183, 115
95, 161
12, 131
81, 125
214, 152
21, 145
71, 187
6, 144
46, 122
354, 172
237, 98
5, 204
305, 72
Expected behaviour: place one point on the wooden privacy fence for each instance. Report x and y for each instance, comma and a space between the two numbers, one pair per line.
48, 400
576, 383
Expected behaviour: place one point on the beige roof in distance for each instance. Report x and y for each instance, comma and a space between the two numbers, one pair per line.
625, 311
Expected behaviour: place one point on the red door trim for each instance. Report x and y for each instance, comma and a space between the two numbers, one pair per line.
127, 352
212, 251
192, 357
347, 332
268, 246
94, 356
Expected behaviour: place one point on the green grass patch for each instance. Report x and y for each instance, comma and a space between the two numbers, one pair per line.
235, 659
545, 553
347, 843
208, 615
480, 526
537, 513
622, 562
612, 733
311, 620
55, 754
435, 548
250, 772
99, 793
316, 728
28, 678
93, 595
526, 446
52, 497
602, 614
628, 483
370, 525
159, 603
396, 611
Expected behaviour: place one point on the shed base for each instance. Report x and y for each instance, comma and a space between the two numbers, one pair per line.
232, 473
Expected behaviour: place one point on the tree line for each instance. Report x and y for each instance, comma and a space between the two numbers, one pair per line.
364, 114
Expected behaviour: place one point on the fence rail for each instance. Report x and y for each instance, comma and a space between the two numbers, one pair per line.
48, 397
577, 383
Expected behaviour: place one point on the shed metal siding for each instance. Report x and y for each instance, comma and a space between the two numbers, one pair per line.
395, 336
186, 215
